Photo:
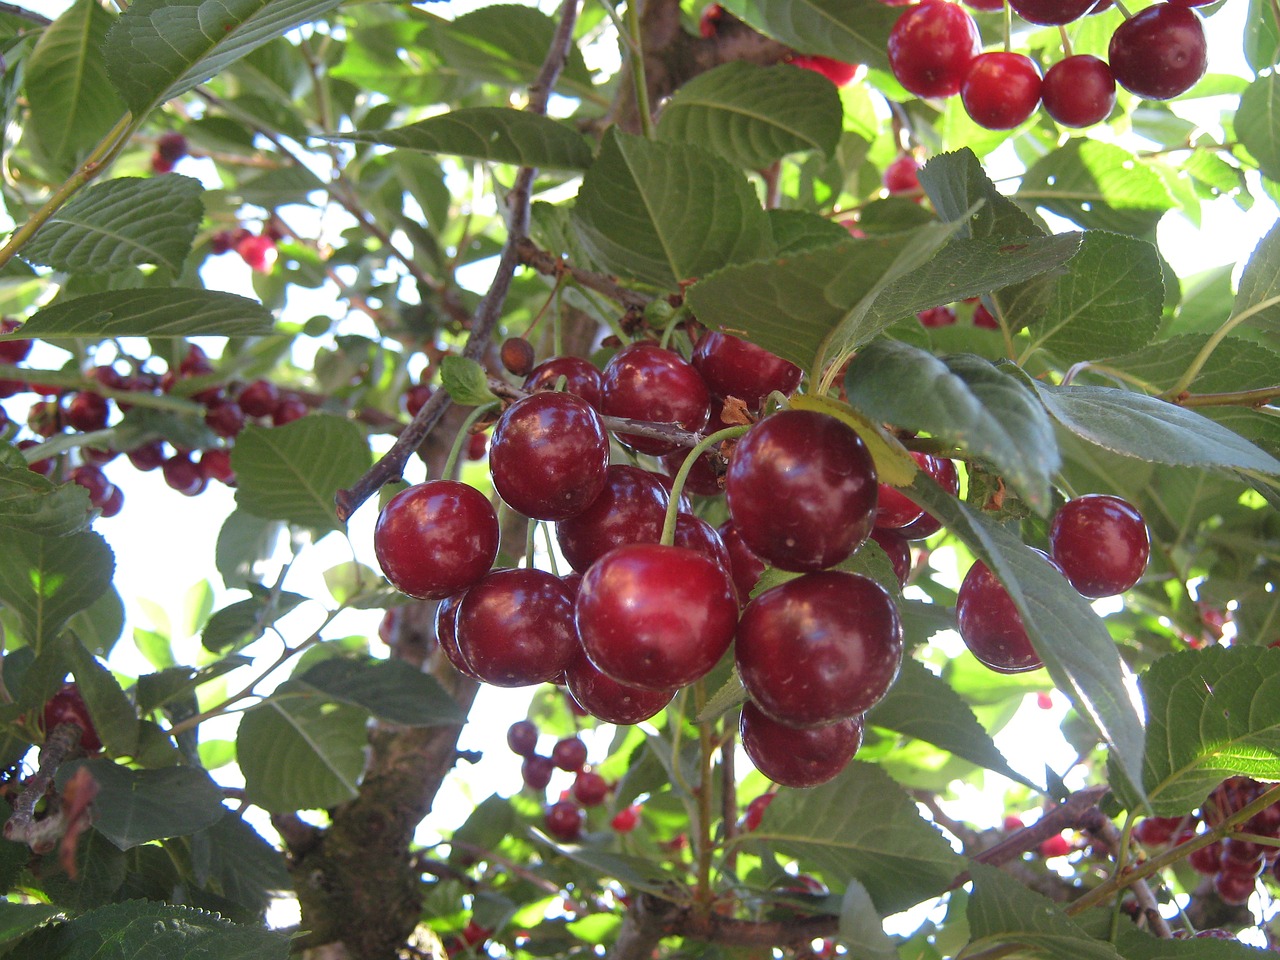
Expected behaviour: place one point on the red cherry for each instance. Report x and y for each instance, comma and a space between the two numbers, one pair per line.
564, 820
183, 475
898, 550
1051, 13
745, 566
590, 789
645, 382
436, 538
95, 482
416, 397
1001, 90
694, 533
982, 317
837, 71
522, 738
656, 617
515, 627
569, 753
931, 46
1012, 823
1078, 91
147, 457
225, 418
13, 351
114, 503
1058, 846
801, 489
195, 362
936, 317
259, 399
794, 757
172, 146
944, 473
902, 175
820, 648
159, 164
473, 933
709, 21
1234, 888
68, 706
259, 252
630, 509
1156, 831
290, 408
987, 6
1159, 52
990, 625
216, 465
580, 378
755, 811
1101, 543
549, 456
626, 819
536, 771
738, 368
88, 411
606, 699
1204, 861
894, 509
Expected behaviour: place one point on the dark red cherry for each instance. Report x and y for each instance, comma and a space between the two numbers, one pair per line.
447, 634
1159, 52
755, 811
569, 753
522, 738
580, 378
990, 624
819, 648
645, 382
898, 551
802, 490
13, 351
797, 757
630, 509
290, 408
88, 411
931, 46
536, 771
216, 465
696, 534
745, 566
147, 457
589, 788
1234, 888
436, 538
515, 627
738, 368
68, 706
416, 397
1051, 13
95, 482
225, 417
944, 473
1101, 543
1078, 91
987, 6
184, 475
564, 820
606, 699
656, 617
259, 398
114, 503
549, 455
936, 317
1001, 90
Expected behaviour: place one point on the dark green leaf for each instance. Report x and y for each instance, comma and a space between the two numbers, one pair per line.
499, 134
135, 806
159, 49
243, 542
729, 695
246, 620
963, 399
242, 866
853, 31
1258, 123
391, 690
99, 625
1003, 911
112, 713
292, 472
100, 872
465, 381
172, 312
1235, 364
47, 580
922, 705
19, 919
961, 190
753, 116
861, 826
862, 928
1259, 294
300, 752
795, 231
667, 212
1135, 944
33, 504
1098, 186
154, 690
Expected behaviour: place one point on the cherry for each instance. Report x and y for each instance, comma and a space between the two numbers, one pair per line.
259, 399
522, 738
43, 467
515, 627
1101, 543
216, 465
755, 811
564, 820
1159, 52
606, 699
95, 482
820, 648
416, 397
147, 457
1050, 13
183, 475
1205, 860
745, 566
801, 489
987, 6
656, 617
88, 411
569, 753
536, 771
696, 534
580, 378
517, 356
703, 477
258, 251
1156, 831
797, 757
944, 473
982, 317
1234, 888
68, 706
942, 316
990, 625
1078, 91
898, 550
1011, 823
290, 408
114, 503
224, 417
171, 147
931, 46
894, 509
626, 819
902, 175
436, 538
44, 418
590, 789
473, 933
630, 509
13, 351
837, 71
643, 381
738, 368
549, 456
1055, 846
1001, 90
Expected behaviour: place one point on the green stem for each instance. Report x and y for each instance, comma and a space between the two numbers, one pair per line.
677, 483
1239, 398
1211, 345
636, 52
451, 464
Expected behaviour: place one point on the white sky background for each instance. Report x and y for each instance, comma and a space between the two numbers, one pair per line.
163, 542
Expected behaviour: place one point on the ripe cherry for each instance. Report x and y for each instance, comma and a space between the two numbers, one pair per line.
258, 398
1079, 91
944, 473
536, 771
88, 411
184, 475
1055, 846
606, 699
801, 489
95, 482
694, 533
569, 753
819, 648
589, 788
990, 624
902, 175
837, 71
216, 465
931, 46
630, 509
1001, 90
656, 617
564, 820
755, 811
942, 316
626, 819
580, 378
1159, 52
436, 538
738, 368
643, 381
1051, 13
898, 551
1101, 543
68, 706
515, 627
447, 634
13, 351
797, 757
745, 566
522, 738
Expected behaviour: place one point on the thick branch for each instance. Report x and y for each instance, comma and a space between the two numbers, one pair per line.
60, 746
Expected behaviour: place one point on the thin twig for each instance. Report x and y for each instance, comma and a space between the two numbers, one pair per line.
21, 827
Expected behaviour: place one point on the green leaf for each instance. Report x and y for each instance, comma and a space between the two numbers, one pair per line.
19, 919
1135, 944
391, 690
136, 806
1109, 300
300, 752
72, 102
1258, 123
146, 930
242, 866
753, 116
961, 191
729, 695
498, 134
862, 928
1259, 292
1135, 425
243, 542
1212, 713
100, 624
1070, 638
159, 49
1261, 36
122, 223
854, 31
246, 620
963, 399
1235, 364
47, 580
292, 472
1004, 911
861, 826
796, 231
922, 705
172, 312
113, 715
31, 503
666, 212
1098, 186
465, 381
154, 690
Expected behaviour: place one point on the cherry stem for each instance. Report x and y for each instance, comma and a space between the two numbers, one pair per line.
464, 436
635, 54
1123, 12
677, 483
1008, 28
1201, 358
1066, 41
